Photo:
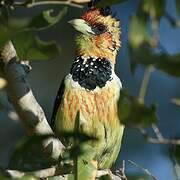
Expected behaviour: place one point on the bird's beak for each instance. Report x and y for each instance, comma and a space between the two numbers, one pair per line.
81, 26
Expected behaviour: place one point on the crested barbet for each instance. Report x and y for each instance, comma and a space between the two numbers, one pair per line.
92, 89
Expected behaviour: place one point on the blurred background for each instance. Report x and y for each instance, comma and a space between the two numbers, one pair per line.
46, 77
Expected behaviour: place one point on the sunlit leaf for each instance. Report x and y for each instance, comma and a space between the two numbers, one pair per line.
176, 101
104, 3
164, 62
138, 31
81, 152
84, 167
29, 47
132, 113
3, 83
46, 19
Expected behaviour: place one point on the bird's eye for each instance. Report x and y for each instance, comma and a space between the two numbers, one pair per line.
99, 29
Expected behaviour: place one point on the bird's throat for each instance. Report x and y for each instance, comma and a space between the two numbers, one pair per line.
91, 72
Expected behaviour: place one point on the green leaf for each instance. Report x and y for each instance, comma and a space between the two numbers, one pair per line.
81, 153
104, 3
78, 137
2, 174
154, 8
29, 155
4, 36
46, 19
30, 47
132, 113
28, 177
138, 31
178, 6
83, 157
10, 30
15, 27
167, 63
84, 167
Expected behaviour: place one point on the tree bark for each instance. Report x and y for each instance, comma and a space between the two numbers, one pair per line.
30, 112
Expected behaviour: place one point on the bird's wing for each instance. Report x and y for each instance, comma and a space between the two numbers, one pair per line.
57, 102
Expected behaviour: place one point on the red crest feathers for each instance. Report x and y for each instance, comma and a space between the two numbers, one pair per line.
91, 14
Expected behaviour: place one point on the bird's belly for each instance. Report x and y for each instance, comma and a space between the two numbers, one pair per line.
98, 106
98, 115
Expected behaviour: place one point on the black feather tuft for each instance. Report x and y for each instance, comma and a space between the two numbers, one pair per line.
93, 3
104, 11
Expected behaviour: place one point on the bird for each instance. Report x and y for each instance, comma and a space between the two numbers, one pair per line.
92, 89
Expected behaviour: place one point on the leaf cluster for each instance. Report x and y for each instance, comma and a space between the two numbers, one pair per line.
24, 34
135, 114
144, 37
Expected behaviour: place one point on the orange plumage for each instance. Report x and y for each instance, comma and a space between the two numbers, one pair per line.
92, 87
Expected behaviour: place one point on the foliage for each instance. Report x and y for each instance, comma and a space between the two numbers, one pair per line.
25, 30
137, 33
34, 48
135, 114
178, 6
143, 43
162, 61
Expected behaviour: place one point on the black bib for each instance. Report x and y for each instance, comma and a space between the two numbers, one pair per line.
91, 72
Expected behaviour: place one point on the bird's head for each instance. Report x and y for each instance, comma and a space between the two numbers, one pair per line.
99, 34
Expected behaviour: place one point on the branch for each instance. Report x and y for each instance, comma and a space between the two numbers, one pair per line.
24, 102
73, 3
145, 82
143, 169
54, 171
121, 172
159, 139
44, 173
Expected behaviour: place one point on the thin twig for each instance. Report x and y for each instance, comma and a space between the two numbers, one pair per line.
40, 3
145, 82
155, 28
159, 141
157, 132
143, 169
121, 172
